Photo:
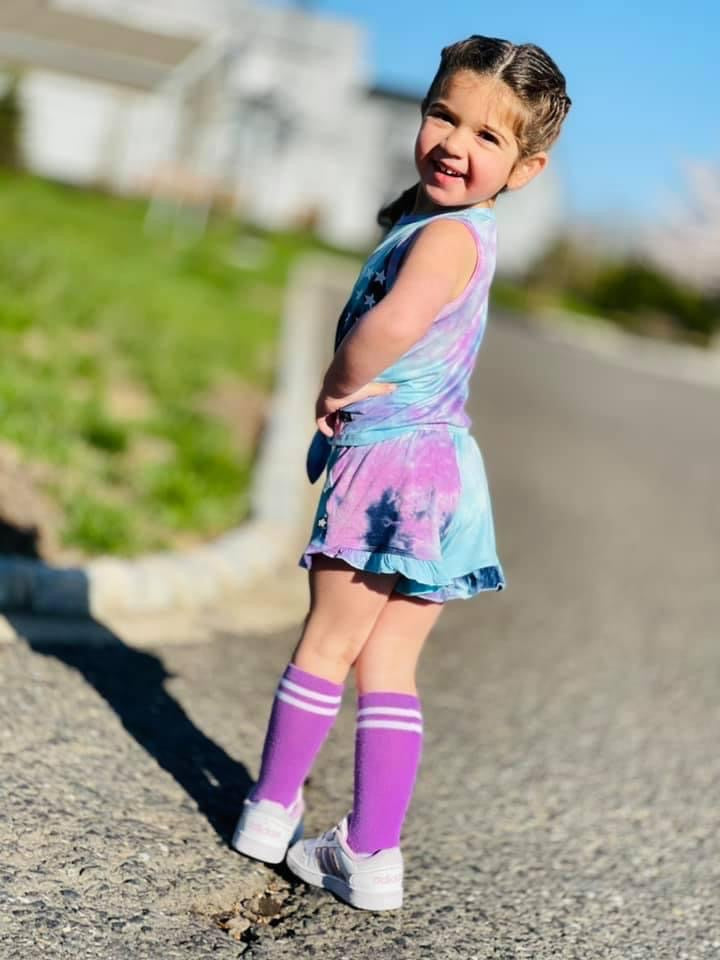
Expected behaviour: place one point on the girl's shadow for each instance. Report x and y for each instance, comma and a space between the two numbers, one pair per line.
132, 682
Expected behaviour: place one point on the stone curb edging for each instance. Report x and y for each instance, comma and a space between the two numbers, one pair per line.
155, 583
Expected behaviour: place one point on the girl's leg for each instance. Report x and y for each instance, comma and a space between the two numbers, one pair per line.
388, 741
389, 658
344, 606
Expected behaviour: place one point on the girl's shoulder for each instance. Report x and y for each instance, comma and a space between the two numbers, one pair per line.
449, 246
450, 233
478, 217
457, 243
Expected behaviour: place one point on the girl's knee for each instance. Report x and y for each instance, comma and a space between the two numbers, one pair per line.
327, 653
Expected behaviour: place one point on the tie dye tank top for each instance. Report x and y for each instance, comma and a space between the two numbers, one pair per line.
432, 378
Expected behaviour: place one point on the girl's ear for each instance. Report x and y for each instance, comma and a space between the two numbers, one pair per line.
526, 170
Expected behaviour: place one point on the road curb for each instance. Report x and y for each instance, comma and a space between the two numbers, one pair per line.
279, 496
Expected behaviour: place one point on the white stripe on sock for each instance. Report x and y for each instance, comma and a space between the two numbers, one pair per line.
390, 725
393, 711
310, 694
310, 707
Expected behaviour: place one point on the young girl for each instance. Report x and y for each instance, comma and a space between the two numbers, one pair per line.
404, 522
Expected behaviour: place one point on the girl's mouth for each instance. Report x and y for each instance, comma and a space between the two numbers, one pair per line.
446, 171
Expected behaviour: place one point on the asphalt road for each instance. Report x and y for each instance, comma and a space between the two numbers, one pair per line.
567, 800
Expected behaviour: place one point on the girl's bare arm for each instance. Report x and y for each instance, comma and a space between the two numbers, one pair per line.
435, 272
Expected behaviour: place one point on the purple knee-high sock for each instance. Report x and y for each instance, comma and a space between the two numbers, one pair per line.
388, 746
303, 712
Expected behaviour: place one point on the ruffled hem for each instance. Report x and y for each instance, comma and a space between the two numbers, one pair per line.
418, 578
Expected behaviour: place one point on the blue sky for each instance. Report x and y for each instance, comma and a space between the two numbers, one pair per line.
644, 78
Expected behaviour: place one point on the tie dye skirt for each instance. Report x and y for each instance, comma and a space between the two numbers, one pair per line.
416, 505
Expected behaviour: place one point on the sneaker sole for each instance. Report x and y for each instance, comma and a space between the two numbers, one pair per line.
362, 899
244, 841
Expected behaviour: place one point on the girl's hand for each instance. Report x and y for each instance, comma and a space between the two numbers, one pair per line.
327, 406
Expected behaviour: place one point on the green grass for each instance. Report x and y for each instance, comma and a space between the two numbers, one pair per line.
95, 308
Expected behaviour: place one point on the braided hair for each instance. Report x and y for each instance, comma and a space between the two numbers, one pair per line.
532, 76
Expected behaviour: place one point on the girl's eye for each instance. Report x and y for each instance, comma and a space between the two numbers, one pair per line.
439, 115
486, 135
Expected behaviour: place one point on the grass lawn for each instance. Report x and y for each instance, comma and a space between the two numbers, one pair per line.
134, 365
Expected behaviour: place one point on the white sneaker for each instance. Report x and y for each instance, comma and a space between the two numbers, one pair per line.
369, 881
266, 829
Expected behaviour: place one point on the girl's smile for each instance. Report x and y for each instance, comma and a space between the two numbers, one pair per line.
443, 170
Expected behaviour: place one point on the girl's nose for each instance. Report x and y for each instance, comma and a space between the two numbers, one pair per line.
453, 142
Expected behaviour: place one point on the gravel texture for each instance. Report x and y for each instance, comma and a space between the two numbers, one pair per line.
567, 800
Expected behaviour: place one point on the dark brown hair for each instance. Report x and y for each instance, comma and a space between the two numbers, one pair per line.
532, 76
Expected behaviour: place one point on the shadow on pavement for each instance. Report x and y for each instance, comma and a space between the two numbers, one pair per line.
133, 684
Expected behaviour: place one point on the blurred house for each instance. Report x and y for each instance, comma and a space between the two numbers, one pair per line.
268, 110
91, 113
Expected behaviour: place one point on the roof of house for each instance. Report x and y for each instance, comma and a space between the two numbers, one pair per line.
34, 34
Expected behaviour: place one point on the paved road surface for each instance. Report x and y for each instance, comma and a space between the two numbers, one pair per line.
567, 803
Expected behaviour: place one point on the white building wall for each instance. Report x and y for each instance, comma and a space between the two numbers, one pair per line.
80, 131
148, 129
299, 84
350, 204
67, 125
374, 166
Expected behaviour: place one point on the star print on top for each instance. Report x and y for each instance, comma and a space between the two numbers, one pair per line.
369, 290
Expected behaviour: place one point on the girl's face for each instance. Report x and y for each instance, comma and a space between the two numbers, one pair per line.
466, 150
